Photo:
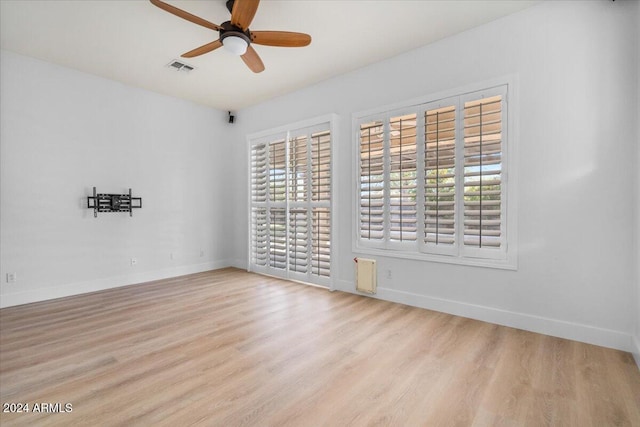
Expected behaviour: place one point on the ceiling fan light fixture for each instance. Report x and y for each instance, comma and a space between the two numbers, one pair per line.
235, 45
235, 35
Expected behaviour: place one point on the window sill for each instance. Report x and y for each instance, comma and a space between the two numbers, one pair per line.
510, 263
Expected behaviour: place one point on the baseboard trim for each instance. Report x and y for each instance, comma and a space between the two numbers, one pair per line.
43, 294
636, 349
543, 325
238, 263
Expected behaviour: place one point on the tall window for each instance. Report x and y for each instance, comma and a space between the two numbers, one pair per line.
291, 204
432, 180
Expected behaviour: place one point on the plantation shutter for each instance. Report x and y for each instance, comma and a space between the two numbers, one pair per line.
298, 169
277, 211
291, 205
483, 172
439, 176
259, 170
298, 213
432, 180
321, 250
277, 171
402, 178
298, 240
277, 238
321, 167
259, 236
259, 188
372, 191
321, 203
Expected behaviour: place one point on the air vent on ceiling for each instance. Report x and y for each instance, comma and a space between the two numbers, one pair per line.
180, 66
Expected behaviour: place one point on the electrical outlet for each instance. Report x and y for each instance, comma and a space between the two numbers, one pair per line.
201, 253
12, 277
134, 261
172, 256
388, 274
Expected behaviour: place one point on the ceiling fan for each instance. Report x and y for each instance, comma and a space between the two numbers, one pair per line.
235, 35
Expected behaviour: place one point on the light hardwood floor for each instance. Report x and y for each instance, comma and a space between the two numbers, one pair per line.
231, 348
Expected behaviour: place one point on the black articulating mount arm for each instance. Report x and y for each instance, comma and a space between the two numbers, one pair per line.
102, 202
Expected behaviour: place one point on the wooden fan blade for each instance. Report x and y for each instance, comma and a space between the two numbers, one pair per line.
243, 12
252, 60
185, 15
202, 49
280, 38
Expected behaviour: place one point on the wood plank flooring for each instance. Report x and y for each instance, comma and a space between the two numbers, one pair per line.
230, 348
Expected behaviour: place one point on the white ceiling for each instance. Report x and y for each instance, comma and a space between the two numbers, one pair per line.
132, 41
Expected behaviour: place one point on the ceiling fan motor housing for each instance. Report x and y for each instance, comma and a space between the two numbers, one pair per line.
227, 29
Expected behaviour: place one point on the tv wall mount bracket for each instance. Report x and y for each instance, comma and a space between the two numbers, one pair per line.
103, 202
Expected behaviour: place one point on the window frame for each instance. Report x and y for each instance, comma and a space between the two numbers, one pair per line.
289, 132
503, 258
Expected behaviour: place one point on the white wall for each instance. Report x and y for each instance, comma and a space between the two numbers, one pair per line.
577, 145
64, 132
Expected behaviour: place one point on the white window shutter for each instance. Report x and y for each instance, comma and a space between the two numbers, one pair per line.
259, 173
298, 240
483, 172
259, 192
277, 171
320, 151
372, 190
321, 242
259, 236
402, 178
321, 167
439, 176
291, 204
277, 238
432, 180
298, 169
